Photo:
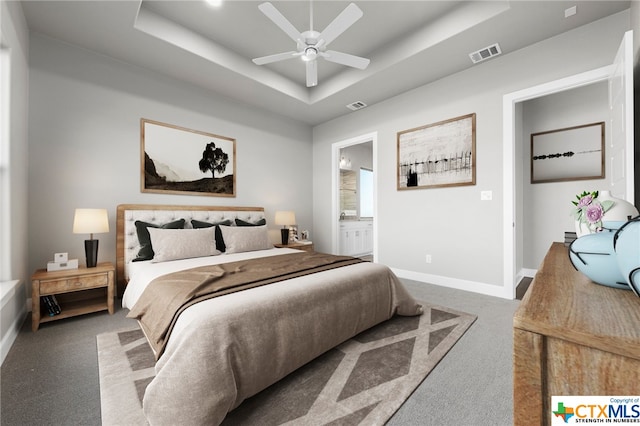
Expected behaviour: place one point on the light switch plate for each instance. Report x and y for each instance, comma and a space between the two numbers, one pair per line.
486, 195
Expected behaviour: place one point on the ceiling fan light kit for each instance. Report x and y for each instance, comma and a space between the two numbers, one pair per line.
312, 44
310, 54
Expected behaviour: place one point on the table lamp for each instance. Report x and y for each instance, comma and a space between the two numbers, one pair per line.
285, 218
91, 221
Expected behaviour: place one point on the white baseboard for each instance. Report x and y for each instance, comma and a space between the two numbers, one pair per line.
458, 284
10, 290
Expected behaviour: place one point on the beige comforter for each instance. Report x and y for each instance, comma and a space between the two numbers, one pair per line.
216, 358
168, 296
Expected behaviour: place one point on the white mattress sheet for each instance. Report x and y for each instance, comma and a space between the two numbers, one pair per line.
142, 273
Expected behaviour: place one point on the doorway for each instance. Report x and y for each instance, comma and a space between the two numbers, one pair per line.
622, 71
354, 195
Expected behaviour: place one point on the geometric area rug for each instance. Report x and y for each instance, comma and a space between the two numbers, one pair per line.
363, 381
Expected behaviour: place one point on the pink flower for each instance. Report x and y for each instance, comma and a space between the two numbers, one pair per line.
585, 201
594, 213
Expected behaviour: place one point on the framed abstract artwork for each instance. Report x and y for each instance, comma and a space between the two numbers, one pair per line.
572, 153
438, 155
177, 160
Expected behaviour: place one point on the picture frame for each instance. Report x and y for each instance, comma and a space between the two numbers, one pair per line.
567, 154
293, 234
437, 155
177, 160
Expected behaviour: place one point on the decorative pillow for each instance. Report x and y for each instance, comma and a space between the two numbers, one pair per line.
174, 244
146, 251
197, 224
240, 222
245, 238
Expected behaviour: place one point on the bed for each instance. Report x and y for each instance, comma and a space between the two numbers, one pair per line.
220, 351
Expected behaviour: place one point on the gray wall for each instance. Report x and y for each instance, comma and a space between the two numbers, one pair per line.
462, 233
547, 205
84, 151
84, 144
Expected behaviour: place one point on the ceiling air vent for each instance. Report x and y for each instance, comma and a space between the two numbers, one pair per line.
356, 105
486, 53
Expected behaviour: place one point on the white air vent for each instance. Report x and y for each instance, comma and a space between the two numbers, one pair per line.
486, 53
356, 105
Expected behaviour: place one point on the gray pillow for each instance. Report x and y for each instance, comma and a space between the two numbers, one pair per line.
175, 244
219, 240
239, 239
146, 250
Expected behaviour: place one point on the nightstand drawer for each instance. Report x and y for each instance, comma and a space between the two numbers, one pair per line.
73, 284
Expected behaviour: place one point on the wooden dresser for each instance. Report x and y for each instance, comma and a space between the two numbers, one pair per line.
572, 337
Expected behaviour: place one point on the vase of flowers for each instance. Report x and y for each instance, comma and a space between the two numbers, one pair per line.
594, 208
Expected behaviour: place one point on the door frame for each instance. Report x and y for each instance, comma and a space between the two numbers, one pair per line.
509, 139
335, 192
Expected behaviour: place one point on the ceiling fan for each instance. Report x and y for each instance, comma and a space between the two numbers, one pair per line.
312, 44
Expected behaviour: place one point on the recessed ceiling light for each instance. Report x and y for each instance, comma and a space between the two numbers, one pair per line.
214, 3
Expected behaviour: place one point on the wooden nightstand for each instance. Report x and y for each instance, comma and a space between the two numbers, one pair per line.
78, 291
308, 246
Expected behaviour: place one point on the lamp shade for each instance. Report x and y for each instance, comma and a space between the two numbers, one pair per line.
90, 221
285, 218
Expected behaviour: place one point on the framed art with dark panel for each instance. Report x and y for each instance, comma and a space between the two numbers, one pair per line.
178, 160
571, 153
438, 155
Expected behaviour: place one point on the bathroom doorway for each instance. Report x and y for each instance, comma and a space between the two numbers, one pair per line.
354, 195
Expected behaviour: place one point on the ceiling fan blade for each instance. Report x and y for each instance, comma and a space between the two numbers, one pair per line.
346, 59
343, 21
312, 73
275, 58
278, 18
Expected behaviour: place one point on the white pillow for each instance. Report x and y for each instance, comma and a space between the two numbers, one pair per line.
174, 244
238, 239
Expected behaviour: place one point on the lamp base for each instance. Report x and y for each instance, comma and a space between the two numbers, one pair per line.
284, 232
91, 252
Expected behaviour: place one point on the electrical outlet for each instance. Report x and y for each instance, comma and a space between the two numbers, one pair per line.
427, 258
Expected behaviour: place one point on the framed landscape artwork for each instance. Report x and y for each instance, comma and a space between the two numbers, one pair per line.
438, 155
177, 160
572, 153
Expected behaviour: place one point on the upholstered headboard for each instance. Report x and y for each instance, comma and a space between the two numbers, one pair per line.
127, 245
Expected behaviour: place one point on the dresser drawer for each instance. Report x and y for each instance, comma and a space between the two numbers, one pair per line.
73, 284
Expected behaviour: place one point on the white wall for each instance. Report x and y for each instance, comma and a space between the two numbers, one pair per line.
462, 233
547, 205
84, 136
15, 273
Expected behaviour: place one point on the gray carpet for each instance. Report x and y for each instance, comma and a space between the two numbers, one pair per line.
363, 381
51, 376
